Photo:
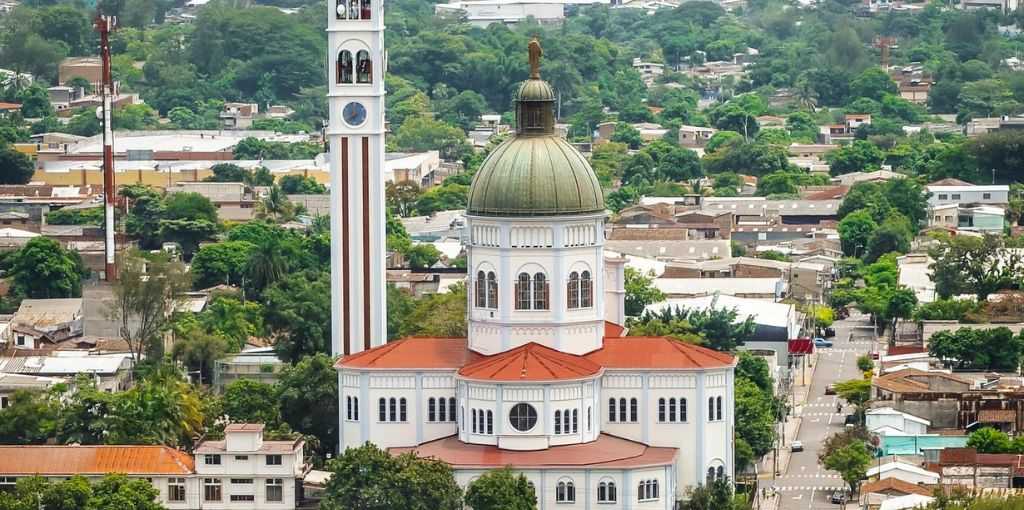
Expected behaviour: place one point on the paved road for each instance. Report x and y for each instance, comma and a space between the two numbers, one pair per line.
805, 484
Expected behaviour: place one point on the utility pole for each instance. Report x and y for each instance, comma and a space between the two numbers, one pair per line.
104, 24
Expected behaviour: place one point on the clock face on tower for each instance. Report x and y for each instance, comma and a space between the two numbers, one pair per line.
354, 114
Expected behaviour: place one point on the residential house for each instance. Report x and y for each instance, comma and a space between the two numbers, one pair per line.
1004, 6
968, 469
235, 201
903, 471
42, 323
843, 133
260, 364
980, 218
876, 176
775, 323
898, 421
8, 109
695, 137
481, 13
908, 502
967, 194
649, 71
240, 471
671, 249
238, 115
873, 494
811, 150
111, 372
797, 280
10, 383
915, 274
768, 289
89, 68
425, 169
245, 468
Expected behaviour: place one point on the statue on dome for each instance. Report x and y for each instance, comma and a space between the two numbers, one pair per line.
535, 54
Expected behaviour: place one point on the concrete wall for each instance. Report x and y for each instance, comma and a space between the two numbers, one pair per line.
942, 413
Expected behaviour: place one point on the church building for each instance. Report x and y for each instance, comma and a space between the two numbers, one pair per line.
547, 382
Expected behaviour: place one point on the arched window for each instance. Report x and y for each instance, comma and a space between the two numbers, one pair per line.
432, 409
355, 408
393, 409
661, 410
348, 408
573, 290
364, 9
589, 422
364, 69
672, 409
602, 492
490, 422
481, 290
492, 290
474, 420
558, 422
402, 416
451, 410
682, 409
344, 70
575, 421
383, 411
718, 407
353, 9
613, 495
462, 416
611, 409
632, 410
540, 292
711, 475
523, 292
622, 409
586, 290
441, 414
653, 489
720, 472
565, 492
711, 408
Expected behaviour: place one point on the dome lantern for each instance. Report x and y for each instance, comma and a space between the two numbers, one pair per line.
537, 172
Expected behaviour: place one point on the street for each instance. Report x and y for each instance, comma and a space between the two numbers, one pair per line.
804, 484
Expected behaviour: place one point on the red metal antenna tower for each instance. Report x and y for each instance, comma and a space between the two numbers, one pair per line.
104, 25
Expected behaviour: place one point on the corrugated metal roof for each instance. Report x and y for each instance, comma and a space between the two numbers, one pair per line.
86, 460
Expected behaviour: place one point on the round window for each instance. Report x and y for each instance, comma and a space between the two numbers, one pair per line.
523, 417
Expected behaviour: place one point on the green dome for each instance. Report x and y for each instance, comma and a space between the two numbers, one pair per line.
535, 176
535, 90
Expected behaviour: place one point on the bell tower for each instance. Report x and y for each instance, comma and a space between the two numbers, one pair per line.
355, 132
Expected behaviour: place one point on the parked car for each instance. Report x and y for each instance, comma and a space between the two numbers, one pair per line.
874, 355
796, 446
830, 332
830, 389
838, 496
821, 342
851, 419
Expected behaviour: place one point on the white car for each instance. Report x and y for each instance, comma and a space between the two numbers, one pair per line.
796, 446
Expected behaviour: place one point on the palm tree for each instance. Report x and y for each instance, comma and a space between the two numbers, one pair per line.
276, 206
267, 264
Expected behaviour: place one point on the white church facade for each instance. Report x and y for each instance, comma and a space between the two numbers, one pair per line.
546, 382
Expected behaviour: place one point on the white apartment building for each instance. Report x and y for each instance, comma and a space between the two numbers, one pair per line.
239, 472
997, 194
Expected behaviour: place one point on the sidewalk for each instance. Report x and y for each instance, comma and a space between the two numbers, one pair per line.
791, 428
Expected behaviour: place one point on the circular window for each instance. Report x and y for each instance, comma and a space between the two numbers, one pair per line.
523, 417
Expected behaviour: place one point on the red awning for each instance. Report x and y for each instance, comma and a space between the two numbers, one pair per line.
801, 346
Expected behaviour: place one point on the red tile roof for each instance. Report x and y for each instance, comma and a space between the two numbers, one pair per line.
657, 352
612, 330
414, 352
85, 460
618, 353
531, 362
897, 350
606, 452
894, 485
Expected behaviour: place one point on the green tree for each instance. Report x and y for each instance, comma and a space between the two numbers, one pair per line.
893, 235
198, 349
501, 489
975, 265
854, 391
368, 478
35, 102
854, 232
755, 417
442, 315
627, 134
860, 156
119, 491
44, 270
228, 316
864, 363
754, 369
29, 418
419, 134
219, 263
267, 264
308, 396
227, 172
298, 314
873, 83
443, 198
989, 440
748, 158
422, 256
15, 167
249, 401
715, 495
300, 185
640, 291
851, 462
148, 290
979, 349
